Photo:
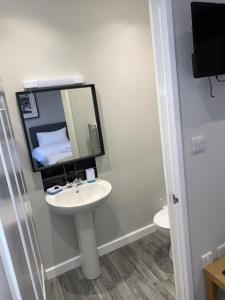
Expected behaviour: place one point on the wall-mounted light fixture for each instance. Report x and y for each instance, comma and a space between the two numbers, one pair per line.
41, 83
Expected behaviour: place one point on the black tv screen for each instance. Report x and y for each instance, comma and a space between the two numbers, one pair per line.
208, 26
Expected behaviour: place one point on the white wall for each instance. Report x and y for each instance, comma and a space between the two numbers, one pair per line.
205, 173
109, 43
83, 114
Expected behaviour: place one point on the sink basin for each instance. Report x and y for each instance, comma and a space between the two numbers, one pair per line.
80, 202
82, 197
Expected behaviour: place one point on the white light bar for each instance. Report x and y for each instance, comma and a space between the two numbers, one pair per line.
41, 83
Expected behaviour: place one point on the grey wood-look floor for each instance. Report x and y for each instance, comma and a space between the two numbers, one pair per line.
141, 270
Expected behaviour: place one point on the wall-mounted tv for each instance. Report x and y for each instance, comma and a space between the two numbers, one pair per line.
208, 26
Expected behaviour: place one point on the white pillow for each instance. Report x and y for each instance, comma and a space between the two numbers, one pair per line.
52, 137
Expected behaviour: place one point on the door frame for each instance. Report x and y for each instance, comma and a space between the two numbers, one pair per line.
161, 18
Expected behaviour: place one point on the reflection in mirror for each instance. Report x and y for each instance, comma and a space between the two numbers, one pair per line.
61, 124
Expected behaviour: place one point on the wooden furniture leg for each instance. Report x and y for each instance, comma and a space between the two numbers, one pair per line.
211, 290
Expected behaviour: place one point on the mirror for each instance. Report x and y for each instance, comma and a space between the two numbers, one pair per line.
61, 124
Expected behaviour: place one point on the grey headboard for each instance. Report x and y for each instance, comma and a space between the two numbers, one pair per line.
43, 128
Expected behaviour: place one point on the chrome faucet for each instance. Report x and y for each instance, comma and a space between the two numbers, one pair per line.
77, 181
69, 177
72, 179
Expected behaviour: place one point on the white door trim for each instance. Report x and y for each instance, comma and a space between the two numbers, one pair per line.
170, 127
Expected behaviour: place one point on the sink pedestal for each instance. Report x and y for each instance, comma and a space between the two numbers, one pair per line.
81, 203
87, 244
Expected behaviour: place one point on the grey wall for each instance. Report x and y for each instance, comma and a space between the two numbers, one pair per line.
205, 173
50, 110
109, 43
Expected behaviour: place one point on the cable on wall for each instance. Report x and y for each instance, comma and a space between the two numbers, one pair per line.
211, 88
220, 80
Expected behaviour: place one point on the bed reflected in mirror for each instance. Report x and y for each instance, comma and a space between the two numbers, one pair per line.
61, 124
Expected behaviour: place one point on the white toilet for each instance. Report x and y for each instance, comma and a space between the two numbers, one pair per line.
162, 223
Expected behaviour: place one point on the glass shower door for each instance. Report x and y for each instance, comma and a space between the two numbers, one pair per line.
15, 216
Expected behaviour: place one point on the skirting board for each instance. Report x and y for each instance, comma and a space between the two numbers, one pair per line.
103, 249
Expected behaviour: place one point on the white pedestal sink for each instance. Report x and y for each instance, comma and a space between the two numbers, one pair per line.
80, 202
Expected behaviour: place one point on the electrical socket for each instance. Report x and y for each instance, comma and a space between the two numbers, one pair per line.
207, 259
221, 251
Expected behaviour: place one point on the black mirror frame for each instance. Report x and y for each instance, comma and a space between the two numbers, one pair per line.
64, 87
